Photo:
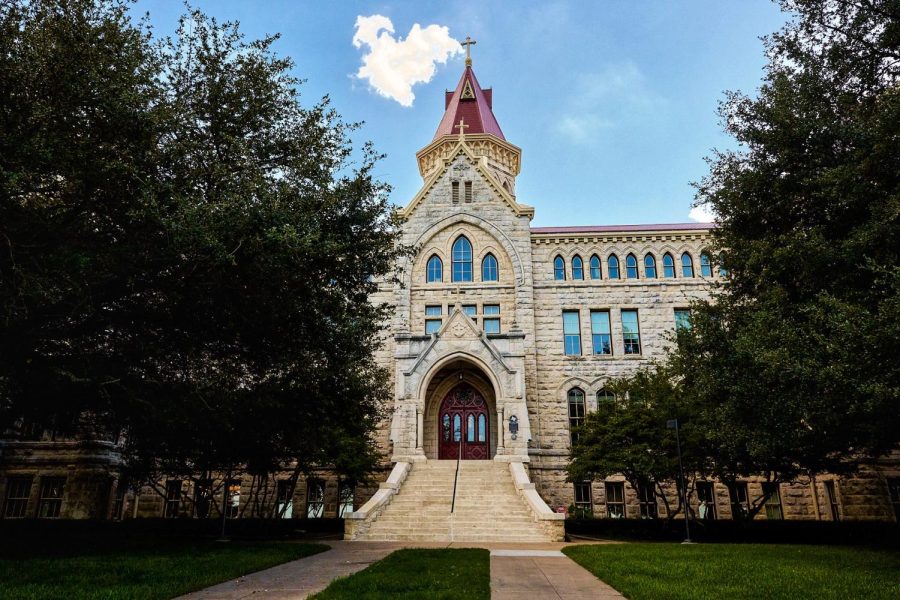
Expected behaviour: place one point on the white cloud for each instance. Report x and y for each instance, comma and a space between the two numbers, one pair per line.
393, 65
581, 128
702, 213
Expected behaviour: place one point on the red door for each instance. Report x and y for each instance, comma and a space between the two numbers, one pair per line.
463, 425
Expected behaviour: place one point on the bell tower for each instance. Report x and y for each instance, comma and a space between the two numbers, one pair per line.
469, 119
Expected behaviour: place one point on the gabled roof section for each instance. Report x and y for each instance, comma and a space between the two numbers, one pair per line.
471, 104
479, 164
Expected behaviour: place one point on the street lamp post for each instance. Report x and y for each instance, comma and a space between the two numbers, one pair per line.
673, 424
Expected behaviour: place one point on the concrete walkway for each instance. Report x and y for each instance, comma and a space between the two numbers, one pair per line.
534, 571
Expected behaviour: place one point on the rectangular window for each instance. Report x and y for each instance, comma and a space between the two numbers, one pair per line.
118, 509
432, 324
831, 492
18, 491
233, 499
707, 498
315, 499
740, 499
631, 333
173, 499
682, 318
572, 332
773, 504
345, 500
50, 500
468, 192
647, 500
615, 499
284, 499
600, 333
470, 310
454, 192
491, 318
894, 491
583, 505
202, 498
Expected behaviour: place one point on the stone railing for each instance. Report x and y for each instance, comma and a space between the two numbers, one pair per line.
358, 522
552, 523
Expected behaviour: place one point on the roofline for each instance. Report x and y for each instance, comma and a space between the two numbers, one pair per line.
574, 229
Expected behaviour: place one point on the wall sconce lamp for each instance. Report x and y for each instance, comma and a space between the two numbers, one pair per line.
513, 426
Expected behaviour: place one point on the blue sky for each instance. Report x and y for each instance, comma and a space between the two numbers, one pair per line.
613, 103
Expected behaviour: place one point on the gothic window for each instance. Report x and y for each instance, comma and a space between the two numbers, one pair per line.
482, 428
435, 269
606, 403
18, 491
489, 269
571, 332
650, 267
631, 270
668, 266
577, 268
631, 334
601, 340
457, 428
559, 268
470, 428
445, 426
595, 267
705, 265
462, 259
576, 412
612, 266
687, 265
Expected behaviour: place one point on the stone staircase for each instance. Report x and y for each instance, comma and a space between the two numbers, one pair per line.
488, 508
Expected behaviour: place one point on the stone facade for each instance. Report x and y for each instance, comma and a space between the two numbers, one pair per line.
520, 368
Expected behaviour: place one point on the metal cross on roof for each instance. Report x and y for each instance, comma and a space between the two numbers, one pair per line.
468, 44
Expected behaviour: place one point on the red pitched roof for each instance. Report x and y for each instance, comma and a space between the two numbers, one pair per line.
623, 228
476, 111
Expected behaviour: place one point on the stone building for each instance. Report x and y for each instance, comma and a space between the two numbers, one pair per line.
503, 338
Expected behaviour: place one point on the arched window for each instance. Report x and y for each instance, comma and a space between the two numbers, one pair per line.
489, 269
723, 272
462, 259
595, 267
576, 412
705, 265
457, 427
631, 271
606, 403
687, 265
577, 268
470, 428
559, 268
668, 266
650, 267
612, 266
435, 269
482, 428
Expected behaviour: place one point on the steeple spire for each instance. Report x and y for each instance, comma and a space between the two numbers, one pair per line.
471, 103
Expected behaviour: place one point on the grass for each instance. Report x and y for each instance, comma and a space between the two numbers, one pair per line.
444, 574
673, 571
142, 571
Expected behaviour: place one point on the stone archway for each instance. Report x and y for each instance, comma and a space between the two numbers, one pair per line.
460, 389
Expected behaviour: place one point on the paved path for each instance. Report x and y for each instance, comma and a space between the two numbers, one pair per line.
534, 571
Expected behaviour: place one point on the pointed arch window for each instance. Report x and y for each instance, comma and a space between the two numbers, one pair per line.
723, 272
435, 269
595, 267
631, 270
687, 265
462, 259
705, 265
577, 267
606, 403
575, 399
668, 266
489, 269
612, 266
650, 267
559, 269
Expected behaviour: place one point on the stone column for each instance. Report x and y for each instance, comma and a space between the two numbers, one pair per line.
501, 432
420, 431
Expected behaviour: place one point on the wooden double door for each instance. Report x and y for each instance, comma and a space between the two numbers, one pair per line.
464, 426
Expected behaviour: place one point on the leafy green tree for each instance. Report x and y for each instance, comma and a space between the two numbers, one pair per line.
189, 252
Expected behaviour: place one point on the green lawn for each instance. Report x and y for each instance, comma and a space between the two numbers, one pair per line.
674, 571
445, 574
157, 570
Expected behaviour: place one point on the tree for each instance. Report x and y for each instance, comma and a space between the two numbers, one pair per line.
196, 271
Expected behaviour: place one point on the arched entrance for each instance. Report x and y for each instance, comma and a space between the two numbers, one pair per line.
464, 425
